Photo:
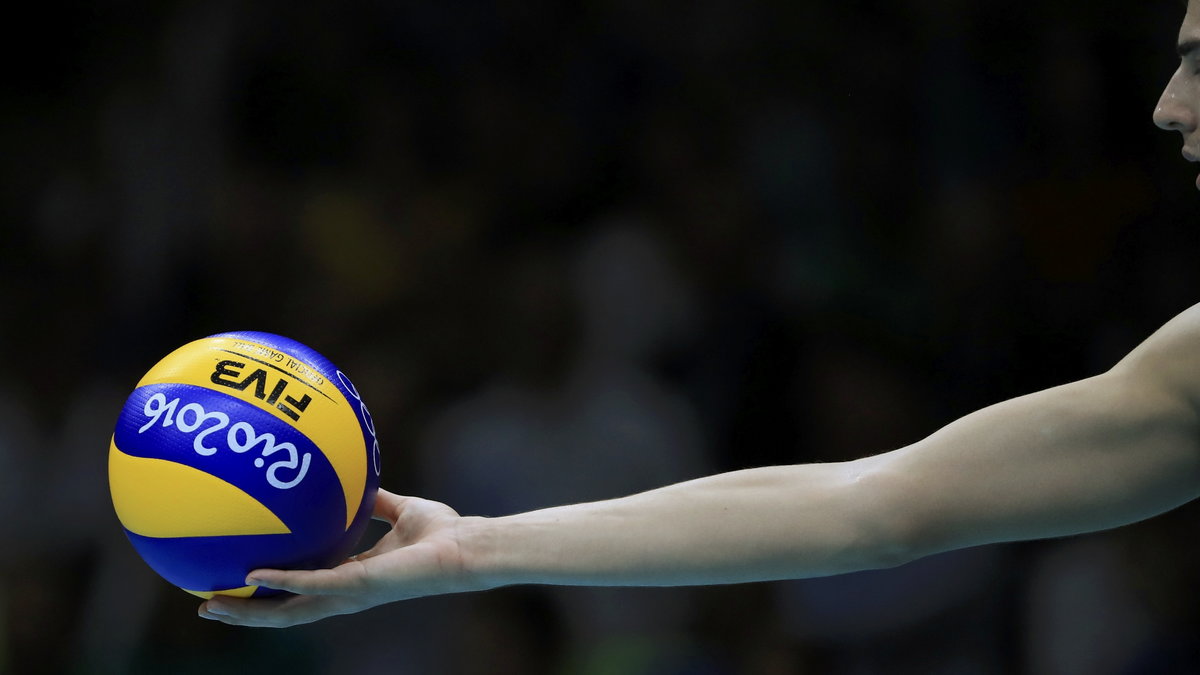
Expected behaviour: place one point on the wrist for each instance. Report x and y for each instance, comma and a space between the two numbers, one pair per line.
477, 544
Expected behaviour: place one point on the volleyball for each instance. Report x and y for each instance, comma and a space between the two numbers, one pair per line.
239, 451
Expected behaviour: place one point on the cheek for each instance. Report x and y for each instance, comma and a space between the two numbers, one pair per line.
1186, 96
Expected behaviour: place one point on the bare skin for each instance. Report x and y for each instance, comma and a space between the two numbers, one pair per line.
1178, 108
1102, 452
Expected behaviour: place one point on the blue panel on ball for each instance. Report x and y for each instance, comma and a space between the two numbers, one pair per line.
310, 502
219, 563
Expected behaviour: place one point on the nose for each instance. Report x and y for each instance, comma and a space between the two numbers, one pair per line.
1172, 112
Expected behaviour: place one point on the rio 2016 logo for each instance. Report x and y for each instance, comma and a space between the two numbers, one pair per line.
240, 437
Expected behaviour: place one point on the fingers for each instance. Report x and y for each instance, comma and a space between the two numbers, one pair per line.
349, 577
273, 612
320, 594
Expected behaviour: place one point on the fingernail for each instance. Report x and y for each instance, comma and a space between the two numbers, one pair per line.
207, 615
216, 610
252, 581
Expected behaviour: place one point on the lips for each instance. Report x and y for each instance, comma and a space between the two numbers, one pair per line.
1192, 156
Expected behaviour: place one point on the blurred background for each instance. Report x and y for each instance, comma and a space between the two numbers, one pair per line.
570, 251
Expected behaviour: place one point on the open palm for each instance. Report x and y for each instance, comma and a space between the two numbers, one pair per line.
419, 556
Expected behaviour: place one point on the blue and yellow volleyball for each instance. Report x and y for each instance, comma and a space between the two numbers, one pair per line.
239, 451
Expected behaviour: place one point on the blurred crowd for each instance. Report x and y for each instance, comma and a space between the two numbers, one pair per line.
572, 251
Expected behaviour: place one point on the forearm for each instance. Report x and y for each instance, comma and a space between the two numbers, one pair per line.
751, 525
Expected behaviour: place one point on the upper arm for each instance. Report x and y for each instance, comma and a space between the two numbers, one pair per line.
1101, 452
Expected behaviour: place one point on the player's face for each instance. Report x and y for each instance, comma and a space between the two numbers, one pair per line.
1179, 106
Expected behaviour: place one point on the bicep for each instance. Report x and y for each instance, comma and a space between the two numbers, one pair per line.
1085, 456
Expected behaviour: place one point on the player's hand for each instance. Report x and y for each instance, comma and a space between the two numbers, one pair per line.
419, 556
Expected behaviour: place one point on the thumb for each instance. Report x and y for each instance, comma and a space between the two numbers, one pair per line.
388, 506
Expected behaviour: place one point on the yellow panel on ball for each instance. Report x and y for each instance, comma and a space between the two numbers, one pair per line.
243, 592
159, 498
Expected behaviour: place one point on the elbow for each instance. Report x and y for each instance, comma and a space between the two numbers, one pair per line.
885, 545
890, 529
899, 546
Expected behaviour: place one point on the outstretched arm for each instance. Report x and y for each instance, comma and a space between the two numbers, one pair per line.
1090, 455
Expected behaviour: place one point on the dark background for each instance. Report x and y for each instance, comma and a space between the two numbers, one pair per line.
572, 251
